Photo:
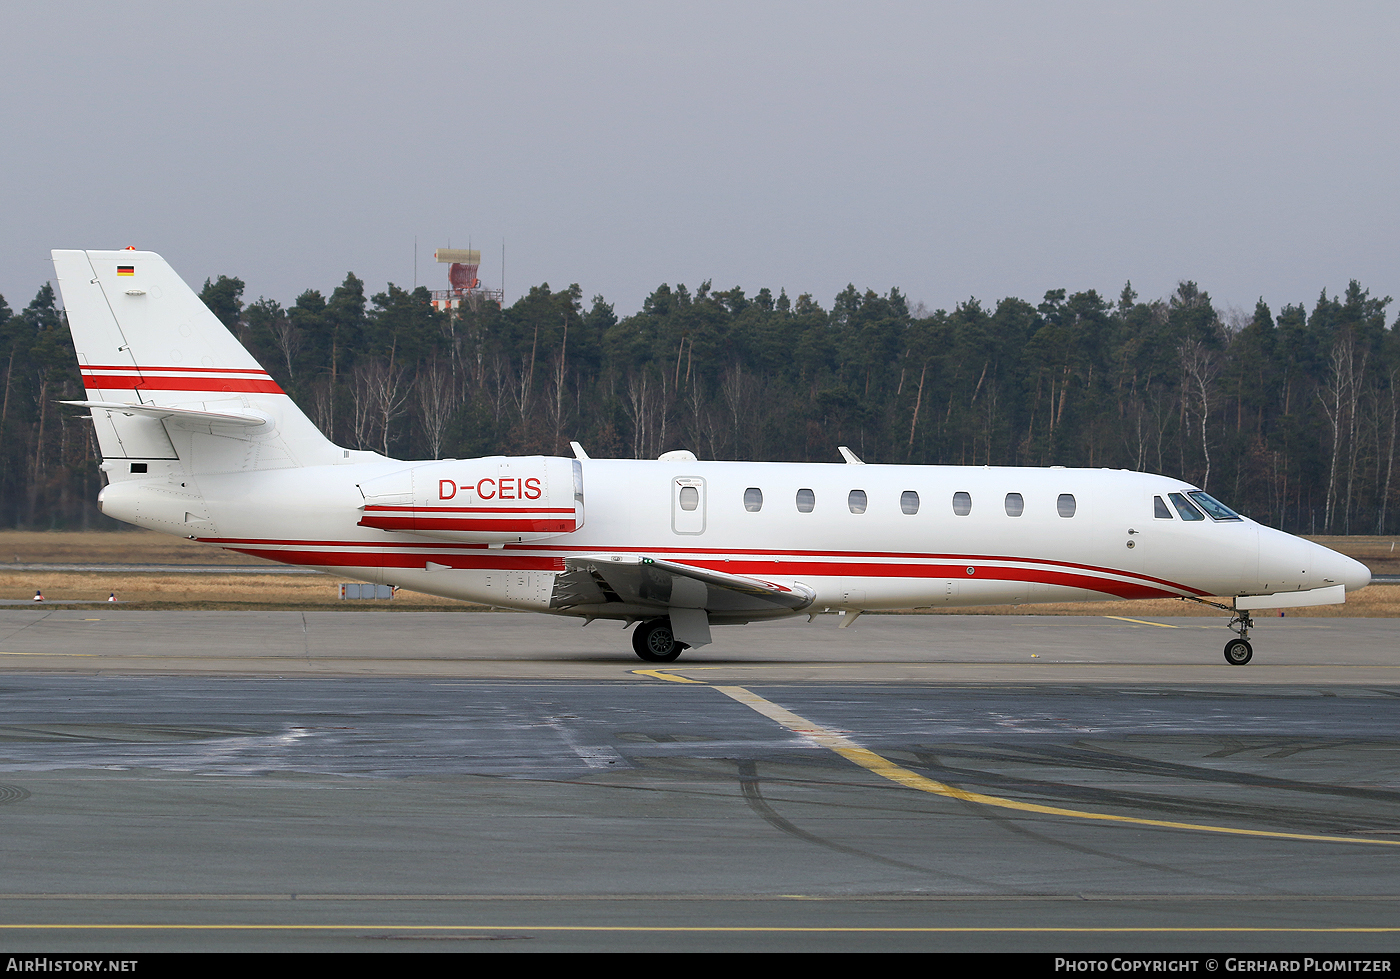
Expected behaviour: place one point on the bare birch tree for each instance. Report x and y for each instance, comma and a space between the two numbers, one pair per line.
389, 392
1337, 399
1200, 367
437, 400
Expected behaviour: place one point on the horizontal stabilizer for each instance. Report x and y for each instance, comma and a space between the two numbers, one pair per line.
189, 415
1331, 595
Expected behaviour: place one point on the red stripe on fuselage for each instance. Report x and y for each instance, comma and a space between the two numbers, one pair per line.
342, 559
508, 525
753, 569
430, 510
832, 559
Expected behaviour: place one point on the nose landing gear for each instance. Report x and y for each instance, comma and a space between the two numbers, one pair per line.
1238, 651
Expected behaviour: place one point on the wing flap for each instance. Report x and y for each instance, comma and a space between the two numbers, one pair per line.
656, 583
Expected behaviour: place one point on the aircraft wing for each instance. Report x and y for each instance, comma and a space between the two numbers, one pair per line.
634, 580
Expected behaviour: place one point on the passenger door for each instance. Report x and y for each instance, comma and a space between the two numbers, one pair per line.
688, 505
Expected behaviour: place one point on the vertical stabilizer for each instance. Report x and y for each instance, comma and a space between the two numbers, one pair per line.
145, 340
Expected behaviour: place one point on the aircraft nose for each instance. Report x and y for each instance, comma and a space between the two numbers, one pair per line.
1338, 569
1357, 575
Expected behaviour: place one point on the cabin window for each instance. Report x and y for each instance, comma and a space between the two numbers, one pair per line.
690, 498
1064, 503
1184, 507
1159, 509
753, 499
806, 501
1015, 505
962, 503
856, 501
909, 501
1213, 507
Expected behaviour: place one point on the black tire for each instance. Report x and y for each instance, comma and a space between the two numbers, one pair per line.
1238, 652
653, 641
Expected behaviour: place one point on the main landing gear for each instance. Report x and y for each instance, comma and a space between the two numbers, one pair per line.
654, 642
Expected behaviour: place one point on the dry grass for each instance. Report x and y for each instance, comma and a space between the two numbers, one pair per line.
1380, 554
205, 591
112, 547
304, 591
1375, 602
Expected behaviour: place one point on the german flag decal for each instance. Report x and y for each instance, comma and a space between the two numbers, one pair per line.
126, 270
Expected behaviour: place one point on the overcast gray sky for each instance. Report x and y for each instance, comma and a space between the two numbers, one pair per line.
950, 149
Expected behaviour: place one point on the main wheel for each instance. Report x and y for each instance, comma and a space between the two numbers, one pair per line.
654, 642
1238, 652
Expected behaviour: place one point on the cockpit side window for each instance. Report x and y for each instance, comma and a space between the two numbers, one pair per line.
1159, 509
1184, 507
1213, 507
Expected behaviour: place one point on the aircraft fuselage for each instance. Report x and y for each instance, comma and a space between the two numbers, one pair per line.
861, 537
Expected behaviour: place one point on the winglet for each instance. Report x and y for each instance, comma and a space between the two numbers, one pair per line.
851, 458
578, 452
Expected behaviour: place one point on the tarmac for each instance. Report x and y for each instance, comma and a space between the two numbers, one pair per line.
385, 781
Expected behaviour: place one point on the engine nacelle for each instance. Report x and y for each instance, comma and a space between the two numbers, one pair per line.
170, 506
500, 499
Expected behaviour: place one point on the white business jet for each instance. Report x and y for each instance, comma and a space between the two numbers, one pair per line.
198, 440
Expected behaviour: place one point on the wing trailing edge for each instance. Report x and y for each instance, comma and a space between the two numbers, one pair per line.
642, 582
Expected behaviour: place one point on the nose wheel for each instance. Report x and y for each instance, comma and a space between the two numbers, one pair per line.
1238, 652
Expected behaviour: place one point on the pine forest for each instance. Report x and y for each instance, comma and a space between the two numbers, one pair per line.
1289, 416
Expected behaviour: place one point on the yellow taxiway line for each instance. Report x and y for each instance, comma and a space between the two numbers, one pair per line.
885, 768
657, 674
79, 655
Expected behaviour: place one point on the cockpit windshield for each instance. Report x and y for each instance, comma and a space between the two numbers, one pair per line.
1184, 507
1213, 507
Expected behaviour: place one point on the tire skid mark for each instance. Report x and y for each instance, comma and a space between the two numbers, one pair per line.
878, 764
1020, 828
750, 783
1097, 759
1047, 789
